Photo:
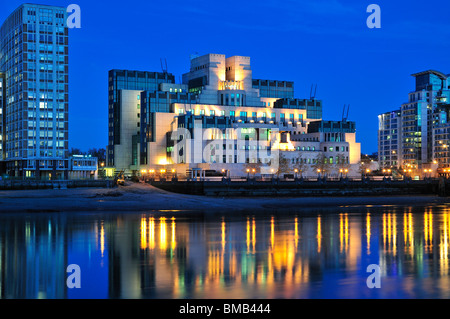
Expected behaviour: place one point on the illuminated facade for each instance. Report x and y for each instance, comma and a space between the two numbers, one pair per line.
418, 133
221, 119
83, 167
123, 80
34, 59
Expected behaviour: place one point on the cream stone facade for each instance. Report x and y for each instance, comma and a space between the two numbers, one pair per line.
221, 121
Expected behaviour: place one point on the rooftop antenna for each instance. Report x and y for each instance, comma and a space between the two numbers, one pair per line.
164, 69
311, 96
344, 118
193, 56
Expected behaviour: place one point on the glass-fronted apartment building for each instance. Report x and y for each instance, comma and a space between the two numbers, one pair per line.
2, 104
34, 58
421, 125
220, 118
389, 134
128, 80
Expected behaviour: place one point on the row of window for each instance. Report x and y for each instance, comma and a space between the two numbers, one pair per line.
242, 114
336, 149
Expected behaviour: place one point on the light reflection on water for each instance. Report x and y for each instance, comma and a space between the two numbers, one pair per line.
300, 254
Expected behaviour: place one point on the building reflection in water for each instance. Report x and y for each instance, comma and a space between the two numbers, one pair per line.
319, 254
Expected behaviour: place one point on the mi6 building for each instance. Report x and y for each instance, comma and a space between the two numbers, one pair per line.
222, 120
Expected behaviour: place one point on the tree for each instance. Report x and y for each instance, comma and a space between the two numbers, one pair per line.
76, 151
321, 165
252, 168
283, 164
342, 164
300, 166
99, 153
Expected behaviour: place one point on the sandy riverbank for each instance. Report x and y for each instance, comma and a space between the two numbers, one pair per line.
142, 197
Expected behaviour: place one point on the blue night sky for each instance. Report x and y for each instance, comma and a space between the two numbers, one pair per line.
309, 41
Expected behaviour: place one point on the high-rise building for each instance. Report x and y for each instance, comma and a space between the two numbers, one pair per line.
34, 58
2, 104
417, 135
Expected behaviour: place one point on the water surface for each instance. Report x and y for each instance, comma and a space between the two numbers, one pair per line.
316, 253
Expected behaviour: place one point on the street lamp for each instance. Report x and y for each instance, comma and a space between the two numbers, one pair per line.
143, 172
151, 173
248, 173
295, 171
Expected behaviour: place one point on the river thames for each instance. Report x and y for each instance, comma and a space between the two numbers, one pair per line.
299, 253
